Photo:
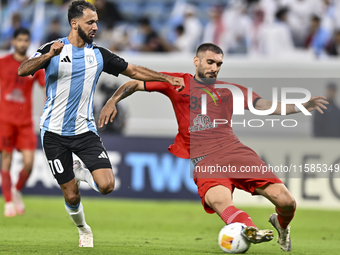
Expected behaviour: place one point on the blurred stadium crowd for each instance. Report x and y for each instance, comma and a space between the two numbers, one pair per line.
247, 27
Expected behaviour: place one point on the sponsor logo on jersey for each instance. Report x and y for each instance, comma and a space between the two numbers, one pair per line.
16, 96
202, 122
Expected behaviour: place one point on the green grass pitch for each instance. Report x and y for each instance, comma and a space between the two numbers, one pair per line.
152, 227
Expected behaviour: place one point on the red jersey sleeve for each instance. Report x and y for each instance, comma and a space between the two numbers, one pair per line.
158, 86
40, 77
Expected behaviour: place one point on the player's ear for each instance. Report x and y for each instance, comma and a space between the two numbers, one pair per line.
196, 61
74, 24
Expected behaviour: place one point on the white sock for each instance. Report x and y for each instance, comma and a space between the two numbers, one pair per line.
90, 181
77, 214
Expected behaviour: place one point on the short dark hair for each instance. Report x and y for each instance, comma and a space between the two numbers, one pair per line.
316, 18
21, 31
144, 21
76, 9
281, 13
180, 28
209, 46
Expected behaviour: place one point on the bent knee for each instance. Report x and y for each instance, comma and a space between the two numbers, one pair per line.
106, 188
218, 204
72, 199
287, 204
218, 198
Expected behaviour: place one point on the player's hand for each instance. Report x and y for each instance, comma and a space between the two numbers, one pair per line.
108, 113
56, 48
316, 103
178, 82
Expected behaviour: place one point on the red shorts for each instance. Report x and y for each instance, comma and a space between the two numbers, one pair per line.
14, 136
240, 158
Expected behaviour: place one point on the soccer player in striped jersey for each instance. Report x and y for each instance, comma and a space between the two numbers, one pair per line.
208, 145
73, 65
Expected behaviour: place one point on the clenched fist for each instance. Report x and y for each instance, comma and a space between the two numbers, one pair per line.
56, 48
178, 82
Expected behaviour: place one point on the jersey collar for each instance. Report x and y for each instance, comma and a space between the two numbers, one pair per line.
86, 46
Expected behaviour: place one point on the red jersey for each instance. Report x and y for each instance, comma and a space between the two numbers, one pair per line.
198, 135
16, 92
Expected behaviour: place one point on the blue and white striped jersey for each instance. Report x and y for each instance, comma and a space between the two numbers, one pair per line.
71, 78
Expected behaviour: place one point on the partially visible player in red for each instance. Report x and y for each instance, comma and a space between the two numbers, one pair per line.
208, 145
16, 122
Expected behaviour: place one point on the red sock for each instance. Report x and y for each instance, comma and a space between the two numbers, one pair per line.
6, 186
23, 176
232, 214
285, 217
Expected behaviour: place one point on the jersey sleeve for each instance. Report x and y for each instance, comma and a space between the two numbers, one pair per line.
159, 86
43, 50
113, 64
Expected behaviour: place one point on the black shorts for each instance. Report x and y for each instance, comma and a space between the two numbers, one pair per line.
58, 150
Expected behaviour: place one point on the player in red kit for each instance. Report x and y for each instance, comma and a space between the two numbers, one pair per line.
16, 122
207, 142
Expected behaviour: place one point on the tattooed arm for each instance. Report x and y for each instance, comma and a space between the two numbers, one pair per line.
31, 65
124, 91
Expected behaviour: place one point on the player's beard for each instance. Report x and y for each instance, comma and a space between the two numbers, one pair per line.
83, 36
204, 78
20, 51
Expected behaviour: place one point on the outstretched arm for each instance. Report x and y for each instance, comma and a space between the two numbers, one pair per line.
31, 65
145, 74
109, 111
315, 103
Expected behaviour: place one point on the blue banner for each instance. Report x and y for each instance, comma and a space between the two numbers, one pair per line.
143, 168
